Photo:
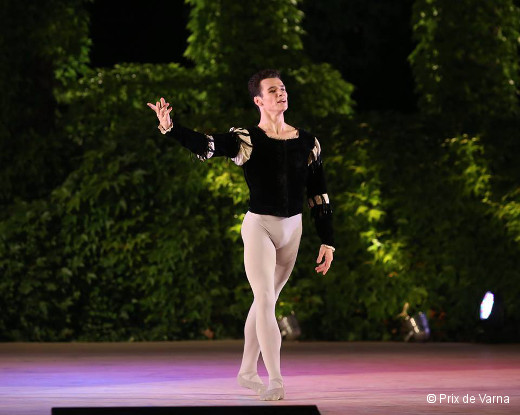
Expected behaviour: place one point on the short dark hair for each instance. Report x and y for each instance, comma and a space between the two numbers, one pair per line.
254, 82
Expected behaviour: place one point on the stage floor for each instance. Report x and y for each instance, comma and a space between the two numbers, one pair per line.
339, 378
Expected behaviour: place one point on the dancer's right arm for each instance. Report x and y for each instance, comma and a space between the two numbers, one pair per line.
203, 145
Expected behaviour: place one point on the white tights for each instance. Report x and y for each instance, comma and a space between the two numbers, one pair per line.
270, 249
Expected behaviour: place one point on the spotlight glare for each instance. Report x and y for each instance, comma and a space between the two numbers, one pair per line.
486, 306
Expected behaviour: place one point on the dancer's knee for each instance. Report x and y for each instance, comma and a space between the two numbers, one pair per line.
265, 300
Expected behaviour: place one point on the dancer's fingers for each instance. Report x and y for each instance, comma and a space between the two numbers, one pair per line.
152, 106
325, 265
323, 270
328, 260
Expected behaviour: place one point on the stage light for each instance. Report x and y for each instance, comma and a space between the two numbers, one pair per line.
491, 309
415, 327
289, 327
491, 318
486, 305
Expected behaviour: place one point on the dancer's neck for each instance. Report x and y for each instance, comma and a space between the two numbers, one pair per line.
273, 124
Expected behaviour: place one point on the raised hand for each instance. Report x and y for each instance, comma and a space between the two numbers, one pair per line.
162, 110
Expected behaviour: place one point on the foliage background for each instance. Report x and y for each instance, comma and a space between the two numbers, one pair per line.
108, 231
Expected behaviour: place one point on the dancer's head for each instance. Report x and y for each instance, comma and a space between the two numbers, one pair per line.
268, 91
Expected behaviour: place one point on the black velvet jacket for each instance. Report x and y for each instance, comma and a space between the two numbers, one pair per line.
278, 172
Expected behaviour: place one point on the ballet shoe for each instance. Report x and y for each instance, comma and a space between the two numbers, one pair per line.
274, 394
256, 386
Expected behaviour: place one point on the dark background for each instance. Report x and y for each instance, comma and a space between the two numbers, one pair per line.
111, 231
367, 41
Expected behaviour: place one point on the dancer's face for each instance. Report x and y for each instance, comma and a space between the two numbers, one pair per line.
274, 95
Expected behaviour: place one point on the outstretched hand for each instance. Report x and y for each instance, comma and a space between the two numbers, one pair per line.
162, 110
326, 256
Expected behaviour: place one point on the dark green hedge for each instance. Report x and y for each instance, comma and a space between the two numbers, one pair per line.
142, 241
128, 237
466, 60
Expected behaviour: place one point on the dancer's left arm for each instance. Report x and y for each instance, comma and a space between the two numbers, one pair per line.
321, 210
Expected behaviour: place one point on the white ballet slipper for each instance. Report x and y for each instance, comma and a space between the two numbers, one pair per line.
258, 387
274, 394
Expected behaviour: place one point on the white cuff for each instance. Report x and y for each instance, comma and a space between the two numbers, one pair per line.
165, 130
328, 246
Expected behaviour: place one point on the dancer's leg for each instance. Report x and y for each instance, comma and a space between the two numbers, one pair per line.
268, 270
260, 262
285, 260
248, 373
251, 345
284, 266
254, 236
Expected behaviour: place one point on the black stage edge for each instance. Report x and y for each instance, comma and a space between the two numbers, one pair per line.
192, 410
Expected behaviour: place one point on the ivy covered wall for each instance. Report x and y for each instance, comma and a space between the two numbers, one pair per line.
120, 234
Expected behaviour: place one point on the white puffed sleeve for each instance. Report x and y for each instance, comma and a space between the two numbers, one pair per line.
246, 147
